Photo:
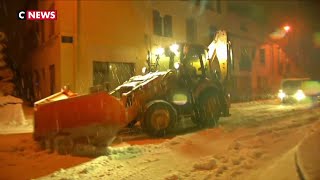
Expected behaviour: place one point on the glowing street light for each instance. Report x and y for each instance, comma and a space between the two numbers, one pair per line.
286, 28
159, 51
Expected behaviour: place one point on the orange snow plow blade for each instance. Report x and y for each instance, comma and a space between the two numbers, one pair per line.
97, 117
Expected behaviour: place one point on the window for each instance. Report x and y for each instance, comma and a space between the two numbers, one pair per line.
167, 22
100, 72
66, 39
191, 30
110, 75
162, 26
157, 23
245, 60
262, 56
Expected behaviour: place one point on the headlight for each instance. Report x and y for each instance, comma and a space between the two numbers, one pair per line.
281, 94
174, 47
159, 51
299, 95
176, 65
180, 99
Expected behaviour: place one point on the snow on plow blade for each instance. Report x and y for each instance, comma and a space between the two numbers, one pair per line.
94, 118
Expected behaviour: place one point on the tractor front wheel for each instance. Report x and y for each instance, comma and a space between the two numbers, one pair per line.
209, 110
160, 117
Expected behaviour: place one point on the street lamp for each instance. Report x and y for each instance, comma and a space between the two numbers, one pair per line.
286, 28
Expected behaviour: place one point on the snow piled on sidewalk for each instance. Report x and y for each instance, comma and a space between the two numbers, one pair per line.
12, 117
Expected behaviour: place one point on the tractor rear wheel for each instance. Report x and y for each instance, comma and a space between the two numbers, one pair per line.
209, 110
160, 117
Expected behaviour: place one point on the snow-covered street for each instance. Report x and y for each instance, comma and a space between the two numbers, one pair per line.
256, 142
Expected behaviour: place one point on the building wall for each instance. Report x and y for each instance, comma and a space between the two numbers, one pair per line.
180, 12
47, 53
109, 31
67, 18
104, 39
122, 31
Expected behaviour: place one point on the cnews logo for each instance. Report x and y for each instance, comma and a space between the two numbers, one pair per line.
37, 15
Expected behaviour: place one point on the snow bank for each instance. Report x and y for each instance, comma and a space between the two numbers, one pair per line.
9, 100
11, 112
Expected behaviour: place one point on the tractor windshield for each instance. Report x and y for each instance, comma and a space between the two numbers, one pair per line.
180, 53
194, 56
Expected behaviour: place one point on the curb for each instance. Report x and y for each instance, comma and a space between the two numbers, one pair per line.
307, 157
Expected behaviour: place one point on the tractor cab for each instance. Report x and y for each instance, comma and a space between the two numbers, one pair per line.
193, 59
183, 57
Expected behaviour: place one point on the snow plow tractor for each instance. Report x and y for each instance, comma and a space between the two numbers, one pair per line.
184, 80
65, 119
